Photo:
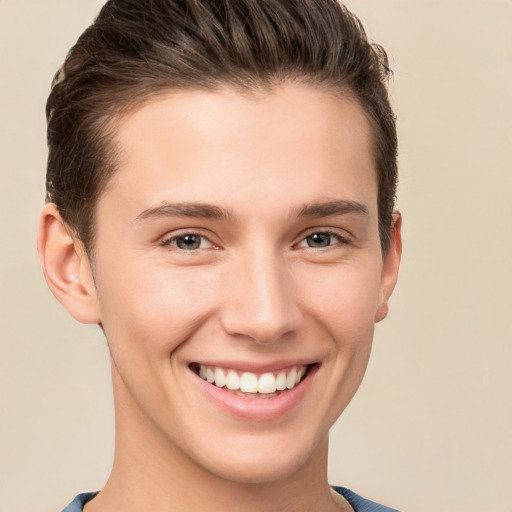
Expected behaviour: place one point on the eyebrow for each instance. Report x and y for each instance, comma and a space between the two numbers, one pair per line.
328, 208
209, 211
196, 210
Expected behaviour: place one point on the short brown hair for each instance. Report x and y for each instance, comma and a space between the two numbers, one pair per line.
138, 48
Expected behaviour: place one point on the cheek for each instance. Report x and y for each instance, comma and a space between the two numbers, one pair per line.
345, 297
153, 308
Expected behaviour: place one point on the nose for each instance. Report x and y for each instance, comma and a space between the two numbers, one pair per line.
261, 303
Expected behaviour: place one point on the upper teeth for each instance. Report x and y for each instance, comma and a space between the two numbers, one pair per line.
249, 382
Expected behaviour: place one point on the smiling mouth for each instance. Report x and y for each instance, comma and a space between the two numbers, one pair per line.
249, 384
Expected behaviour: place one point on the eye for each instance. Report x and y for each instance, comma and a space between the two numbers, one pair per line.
189, 242
321, 240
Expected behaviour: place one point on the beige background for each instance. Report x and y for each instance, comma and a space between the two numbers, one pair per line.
431, 428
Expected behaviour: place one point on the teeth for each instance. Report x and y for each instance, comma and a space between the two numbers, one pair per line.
232, 380
281, 381
210, 376
290, 380
220, 378
267, 383
248, 382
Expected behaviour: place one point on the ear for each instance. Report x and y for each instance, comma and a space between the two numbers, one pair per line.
390, 267
66, 267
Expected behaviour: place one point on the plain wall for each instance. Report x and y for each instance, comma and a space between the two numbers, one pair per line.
431, 427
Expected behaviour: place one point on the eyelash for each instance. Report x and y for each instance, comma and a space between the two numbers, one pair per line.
173, 241
341, 240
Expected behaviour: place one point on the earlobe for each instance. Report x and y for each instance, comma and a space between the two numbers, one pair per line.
66, 267
390, 267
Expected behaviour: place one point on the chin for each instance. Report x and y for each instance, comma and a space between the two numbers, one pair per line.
257, 472
260, 462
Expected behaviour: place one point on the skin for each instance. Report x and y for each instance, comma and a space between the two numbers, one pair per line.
257, 290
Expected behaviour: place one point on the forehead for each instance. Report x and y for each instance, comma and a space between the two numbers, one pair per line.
197, 145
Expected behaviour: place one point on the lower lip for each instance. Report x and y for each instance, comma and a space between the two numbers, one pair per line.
257, 409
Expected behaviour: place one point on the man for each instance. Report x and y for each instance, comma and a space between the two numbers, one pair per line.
220, 190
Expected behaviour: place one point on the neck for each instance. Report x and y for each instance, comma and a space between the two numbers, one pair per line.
152, 473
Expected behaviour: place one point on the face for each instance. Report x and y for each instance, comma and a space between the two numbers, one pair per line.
239, 275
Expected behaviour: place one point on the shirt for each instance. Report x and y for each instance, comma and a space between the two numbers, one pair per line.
358, 503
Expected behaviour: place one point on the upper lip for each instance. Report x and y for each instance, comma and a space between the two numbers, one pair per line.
255, 367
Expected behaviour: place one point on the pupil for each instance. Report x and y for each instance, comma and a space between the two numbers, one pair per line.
319, 240
188, 242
